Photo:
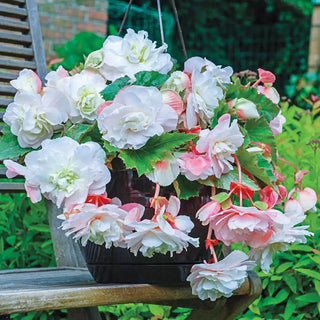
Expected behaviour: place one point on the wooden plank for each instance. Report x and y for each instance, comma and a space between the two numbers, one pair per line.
16, 64
7, 76
10, 37
3, 172
7, 90
37, 43
15, 51
14, 2
13, 11
69, 288
12, 187
4, 102
14, 25
1, 115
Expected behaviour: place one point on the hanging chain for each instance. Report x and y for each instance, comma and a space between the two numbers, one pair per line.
175, 12
160, 21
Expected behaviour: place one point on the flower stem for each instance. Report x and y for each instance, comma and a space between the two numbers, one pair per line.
239, 177
289, 163
211, 247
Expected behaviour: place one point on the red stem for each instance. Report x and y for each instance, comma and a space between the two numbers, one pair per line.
289, 163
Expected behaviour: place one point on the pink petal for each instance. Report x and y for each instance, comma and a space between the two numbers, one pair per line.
173, 205
307, 198
14, 169
172, 99
299, 176
38, 82
103, 105
33, 193
266, 76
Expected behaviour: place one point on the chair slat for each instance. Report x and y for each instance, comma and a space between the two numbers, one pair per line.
14, 2
1, 116
13, 11
3, 172
4, 102
7, 76
14, 24
12, 187
7, 90
15, 51
16, 64
9, 37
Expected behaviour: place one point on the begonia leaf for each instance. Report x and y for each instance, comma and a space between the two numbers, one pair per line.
264, 105
220, 197
144, 158
256, 165
259, 131
185, 188
113, 88
218, 112
150, 78
9, 146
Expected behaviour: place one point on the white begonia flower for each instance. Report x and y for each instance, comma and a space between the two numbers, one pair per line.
220, 144
64, 171
53, 78
177, 82
246, 109
167, 233
284, 233
165, 171
94, 60
31, 117
222, 75
83, 91
100, 225
136, 114
131, 54
203, 99
28, 81
220, 279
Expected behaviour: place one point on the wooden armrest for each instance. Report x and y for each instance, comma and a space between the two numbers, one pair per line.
27, 290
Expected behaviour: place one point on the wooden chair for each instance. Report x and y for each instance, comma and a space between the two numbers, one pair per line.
70, 285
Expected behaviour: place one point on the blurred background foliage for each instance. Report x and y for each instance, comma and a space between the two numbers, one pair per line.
271, 34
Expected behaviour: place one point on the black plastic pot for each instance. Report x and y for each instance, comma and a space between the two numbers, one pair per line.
118, 265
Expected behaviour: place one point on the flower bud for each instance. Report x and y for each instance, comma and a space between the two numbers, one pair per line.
246, 109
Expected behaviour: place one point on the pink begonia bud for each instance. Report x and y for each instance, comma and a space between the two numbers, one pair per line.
299, 176
246, 109
207, 211
173, 99
269, 196
279, 176
266, 76
306, 197
282, 194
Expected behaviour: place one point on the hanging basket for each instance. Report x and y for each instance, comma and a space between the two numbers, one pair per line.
118, 265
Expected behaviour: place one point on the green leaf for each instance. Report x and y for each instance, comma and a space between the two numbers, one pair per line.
291, 282
145, 158
311, 297
11, 240
9, 146
259, 131
289, 309
113, 88
78, 131
255, 309
185, 188
284, 266
156, 310
265, 106
317, 286
232, 176
150, 78
218, 112
40, 228
311, 273
256, 165
301, 247
261, 205
220, 197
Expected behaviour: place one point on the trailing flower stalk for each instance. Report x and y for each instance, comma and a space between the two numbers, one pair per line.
197, 127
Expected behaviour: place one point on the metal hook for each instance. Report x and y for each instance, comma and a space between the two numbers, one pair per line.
160, 21
125, 18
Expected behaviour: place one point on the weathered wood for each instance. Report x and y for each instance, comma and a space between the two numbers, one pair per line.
7, 90
1, 117
53, 289
12, 187
3, 172
6, 76
14, 2
314, 44
14, 24
16, 64
37, 43
13, 11
4, 102
10, 37
15, 51
66, 250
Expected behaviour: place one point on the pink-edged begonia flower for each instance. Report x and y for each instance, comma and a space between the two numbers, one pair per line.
64, 171
284, 233
247, 224
271, 197
220, 144
165, 171
28, 81
32, 117
209, 210
195, 166
136, 114
133, 53
214, 280
100, 225
167, 233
